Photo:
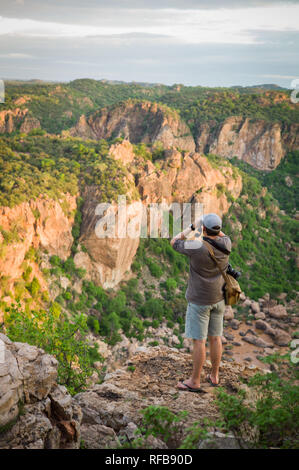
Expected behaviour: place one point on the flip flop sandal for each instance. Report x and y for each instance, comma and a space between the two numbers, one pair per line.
191, 389
210, 381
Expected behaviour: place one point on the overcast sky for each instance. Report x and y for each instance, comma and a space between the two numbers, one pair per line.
194, 42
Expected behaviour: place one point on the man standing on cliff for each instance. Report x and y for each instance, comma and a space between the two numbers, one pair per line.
204, 316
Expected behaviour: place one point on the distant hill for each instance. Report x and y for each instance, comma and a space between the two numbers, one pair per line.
263, 86
58, 106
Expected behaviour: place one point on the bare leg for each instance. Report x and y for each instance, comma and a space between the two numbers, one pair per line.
215, 352
199, 357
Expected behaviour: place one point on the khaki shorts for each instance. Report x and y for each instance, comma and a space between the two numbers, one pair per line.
204, 320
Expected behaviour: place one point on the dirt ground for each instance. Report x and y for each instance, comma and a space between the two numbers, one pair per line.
157, 372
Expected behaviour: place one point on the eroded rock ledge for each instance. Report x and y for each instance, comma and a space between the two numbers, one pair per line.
35, 412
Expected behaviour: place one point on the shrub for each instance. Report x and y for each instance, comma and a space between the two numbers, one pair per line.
152, 308
154, 268
93, 323
59, 336
34, 287
275, 413
159, 421
171, 284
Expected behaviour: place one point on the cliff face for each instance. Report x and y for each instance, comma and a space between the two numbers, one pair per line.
36, 223
10, 120
188, 178
178, 178
257, 142
42, 223
138, 122
107, 259
261, 144
37, 413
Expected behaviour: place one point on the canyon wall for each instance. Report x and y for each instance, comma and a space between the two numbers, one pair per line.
39, 223
261, 144
137, 122
177, 178
12, 120
42, 223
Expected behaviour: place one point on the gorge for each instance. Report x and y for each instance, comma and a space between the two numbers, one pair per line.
120, 302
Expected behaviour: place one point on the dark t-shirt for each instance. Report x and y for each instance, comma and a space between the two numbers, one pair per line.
205, 280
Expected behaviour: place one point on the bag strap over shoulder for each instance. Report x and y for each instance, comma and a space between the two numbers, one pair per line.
211, 251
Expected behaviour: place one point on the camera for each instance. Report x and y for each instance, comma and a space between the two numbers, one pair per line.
232, 272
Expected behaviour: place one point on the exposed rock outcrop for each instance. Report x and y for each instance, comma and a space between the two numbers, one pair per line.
113, 408
35, 412
36, 223
29, 124
42, 222
138, 122
10, 119
18, 118
178, 178
261, 144
189, 178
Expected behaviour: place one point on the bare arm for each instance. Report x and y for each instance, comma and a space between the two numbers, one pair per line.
181, 236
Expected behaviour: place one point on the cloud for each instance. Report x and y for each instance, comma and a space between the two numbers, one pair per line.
275, 76
189, 43
186, 26
16, 55
158, 61
92, 12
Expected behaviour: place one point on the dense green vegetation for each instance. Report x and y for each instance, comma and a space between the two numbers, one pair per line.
264, 250
273, 418
59, 106
128, 309
283, 182
31, 165
52, 331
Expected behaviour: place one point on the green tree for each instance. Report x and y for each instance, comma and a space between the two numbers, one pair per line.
57, 335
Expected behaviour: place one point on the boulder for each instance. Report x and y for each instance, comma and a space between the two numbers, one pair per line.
255, 307
235, 324
37, 413
218, 440
256, 341
130, 431
97, 436
262, 325
260, 316
228, 313
278, 311
106, 404
282, 338
151, 442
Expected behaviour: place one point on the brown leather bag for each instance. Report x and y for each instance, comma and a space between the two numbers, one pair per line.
232, 289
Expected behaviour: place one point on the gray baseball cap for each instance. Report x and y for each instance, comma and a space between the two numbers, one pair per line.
212, 222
